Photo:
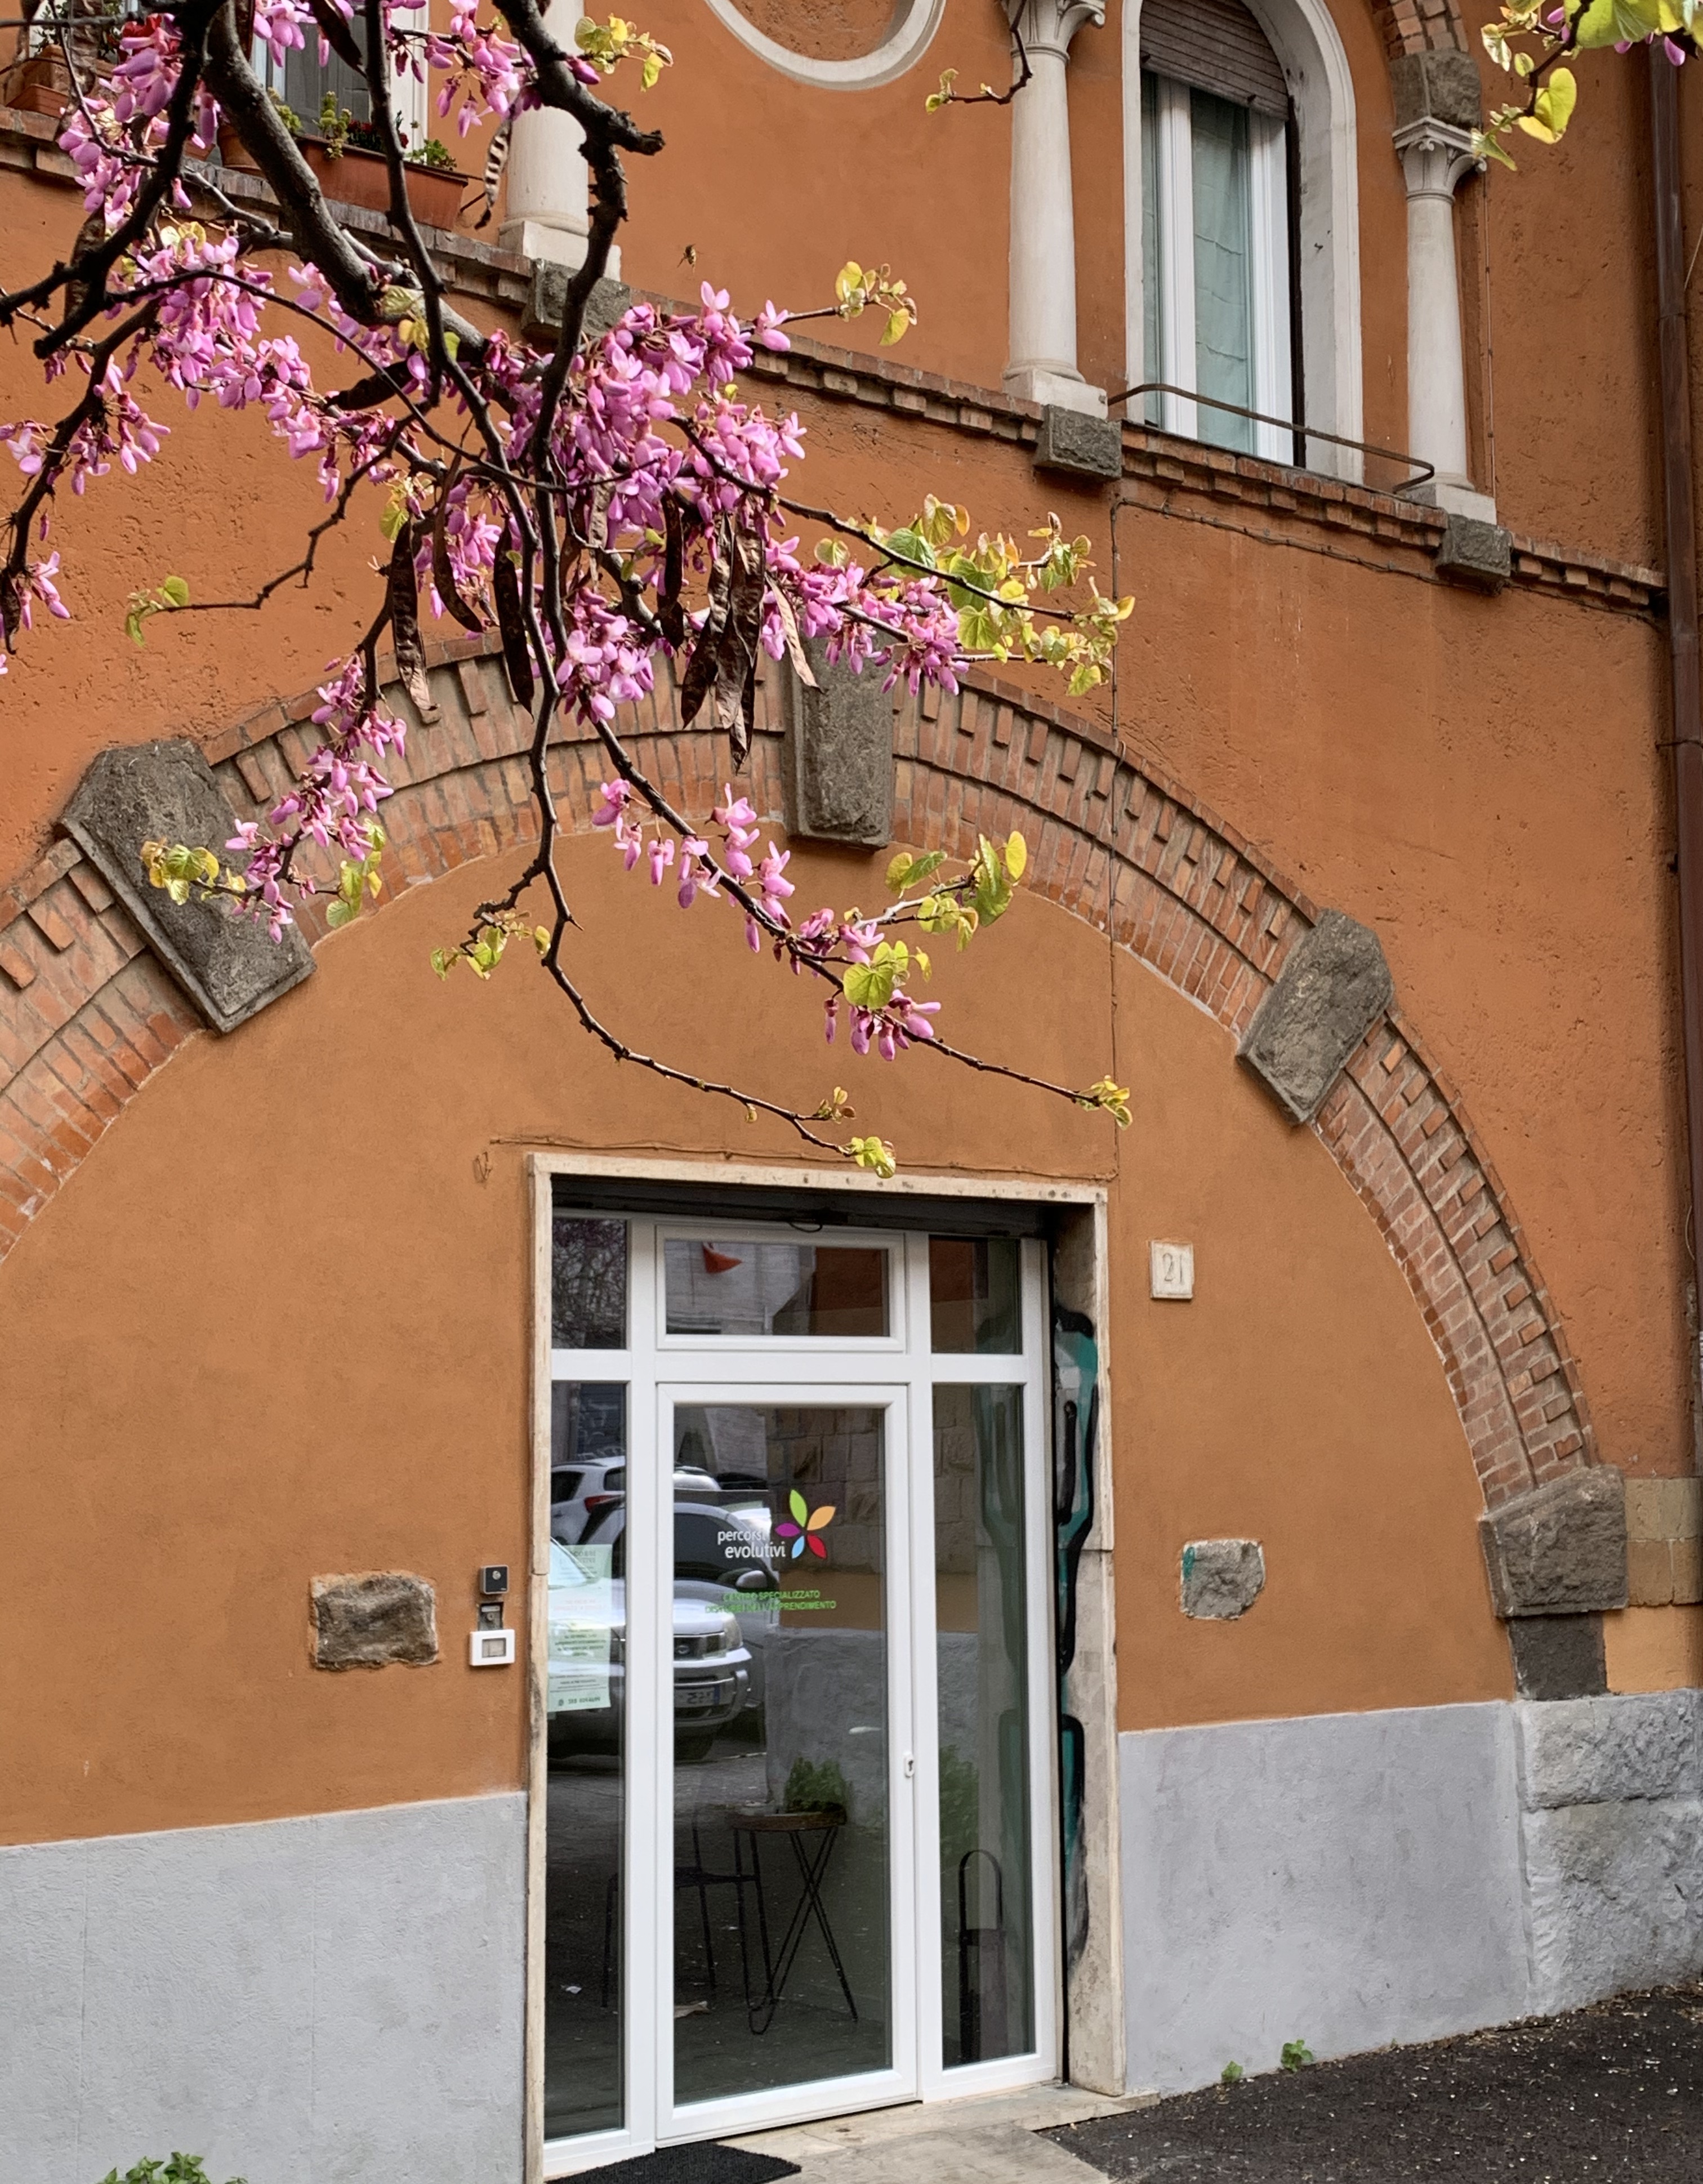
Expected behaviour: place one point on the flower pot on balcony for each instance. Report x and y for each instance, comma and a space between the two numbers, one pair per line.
359, 177
234, 153
39, 82
436, 195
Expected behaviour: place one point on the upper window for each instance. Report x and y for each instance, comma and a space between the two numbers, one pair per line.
1216, 247
304, 82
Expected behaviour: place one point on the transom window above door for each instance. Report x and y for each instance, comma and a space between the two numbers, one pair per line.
1217, 290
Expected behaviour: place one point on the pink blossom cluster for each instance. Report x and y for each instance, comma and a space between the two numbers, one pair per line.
667, 483
113, 135
332, 801
117, 430
485, 75
822, 941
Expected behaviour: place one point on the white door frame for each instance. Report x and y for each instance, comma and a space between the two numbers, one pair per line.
909, 1368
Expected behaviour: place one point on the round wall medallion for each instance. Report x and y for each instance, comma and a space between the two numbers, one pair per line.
894, 36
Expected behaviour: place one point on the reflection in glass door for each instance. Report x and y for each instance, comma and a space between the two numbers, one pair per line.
783, 1944
797, 1701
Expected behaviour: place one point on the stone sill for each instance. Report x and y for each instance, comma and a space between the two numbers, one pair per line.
1175, 466
1301, 502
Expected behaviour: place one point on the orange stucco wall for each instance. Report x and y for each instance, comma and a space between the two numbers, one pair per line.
277, 1325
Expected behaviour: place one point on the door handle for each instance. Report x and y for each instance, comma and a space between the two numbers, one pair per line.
910, 1765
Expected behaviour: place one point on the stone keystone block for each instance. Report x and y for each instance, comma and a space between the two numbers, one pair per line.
541, 315
1069, 440
229, 967
370, 1617
1481, 554
1333, 989
837, 772
1221, 1579
1560, 1550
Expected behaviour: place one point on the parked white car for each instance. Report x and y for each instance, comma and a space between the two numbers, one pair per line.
721, 1559
586, 1681
581, 1490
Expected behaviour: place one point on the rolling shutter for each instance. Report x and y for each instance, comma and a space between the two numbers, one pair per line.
1215, 46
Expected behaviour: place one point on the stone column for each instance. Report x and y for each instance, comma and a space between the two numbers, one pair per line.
1044, 241
1437, 100
549, 189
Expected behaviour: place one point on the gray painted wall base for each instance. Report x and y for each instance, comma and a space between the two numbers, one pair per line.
1346, 1879
1356, 1880
324, 2000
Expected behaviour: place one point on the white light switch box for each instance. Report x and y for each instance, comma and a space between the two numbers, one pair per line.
491, 1649
1173, 1269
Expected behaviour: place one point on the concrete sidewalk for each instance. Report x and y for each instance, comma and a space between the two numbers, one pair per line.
989, 2140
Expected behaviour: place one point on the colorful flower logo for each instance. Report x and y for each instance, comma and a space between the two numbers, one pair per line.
803, 1526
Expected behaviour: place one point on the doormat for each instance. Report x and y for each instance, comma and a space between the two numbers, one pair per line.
703, 2163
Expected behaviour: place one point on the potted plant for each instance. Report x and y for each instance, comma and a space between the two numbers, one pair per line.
39, 82
349, 166
39, 79
436, 185
234, 153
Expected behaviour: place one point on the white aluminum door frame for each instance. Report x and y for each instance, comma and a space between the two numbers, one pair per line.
736, 2113
899, 1372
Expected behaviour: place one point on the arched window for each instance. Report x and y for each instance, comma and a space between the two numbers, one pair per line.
1216, 246
1240, 203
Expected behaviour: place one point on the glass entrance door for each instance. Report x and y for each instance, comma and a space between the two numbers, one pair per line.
797, 1700
792, 1819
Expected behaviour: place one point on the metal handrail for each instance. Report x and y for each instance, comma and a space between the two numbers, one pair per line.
1425, 472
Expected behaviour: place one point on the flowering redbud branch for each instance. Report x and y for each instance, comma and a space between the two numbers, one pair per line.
538, 492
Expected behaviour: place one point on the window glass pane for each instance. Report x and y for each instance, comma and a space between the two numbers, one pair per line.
973, 1294
761, 1289
1223, 292
982, 1652
783, 1970
586, 1712
306, 81
1152, 352
588, 1283
588, 1454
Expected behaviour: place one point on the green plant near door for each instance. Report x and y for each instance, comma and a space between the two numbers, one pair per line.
176, 2169
815, 1787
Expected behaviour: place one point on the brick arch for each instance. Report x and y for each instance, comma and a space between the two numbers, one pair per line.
1420, 26
87, 1014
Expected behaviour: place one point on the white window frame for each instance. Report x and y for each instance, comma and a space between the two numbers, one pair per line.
1309, 51
899, 1370
1268, 250
410, 98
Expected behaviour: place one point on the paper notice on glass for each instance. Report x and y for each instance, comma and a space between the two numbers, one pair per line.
582, 1617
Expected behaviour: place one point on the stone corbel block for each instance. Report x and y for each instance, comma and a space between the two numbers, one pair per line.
541, 319
1474, 553
838, 770
371, 1618
1560, 1551
229, 967
1072, 440
1333, 989
1437, 86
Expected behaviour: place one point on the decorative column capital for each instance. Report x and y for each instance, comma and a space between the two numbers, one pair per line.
1435, 155
1047, 27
